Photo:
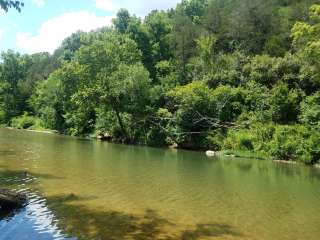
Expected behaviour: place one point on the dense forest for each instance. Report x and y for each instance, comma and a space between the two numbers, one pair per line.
209, 74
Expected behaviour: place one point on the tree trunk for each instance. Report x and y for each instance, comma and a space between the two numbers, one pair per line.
121, 125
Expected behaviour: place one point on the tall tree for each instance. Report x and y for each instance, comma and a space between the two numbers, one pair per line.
6, 4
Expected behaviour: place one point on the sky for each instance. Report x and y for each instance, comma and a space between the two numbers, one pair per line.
43, 24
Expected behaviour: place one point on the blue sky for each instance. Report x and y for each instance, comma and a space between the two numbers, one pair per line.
43, 24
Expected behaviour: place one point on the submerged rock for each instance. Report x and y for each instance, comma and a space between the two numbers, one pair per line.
11, 200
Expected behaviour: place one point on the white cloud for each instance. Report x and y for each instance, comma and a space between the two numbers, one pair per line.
51, 33
107, 5
39, 3
138, 7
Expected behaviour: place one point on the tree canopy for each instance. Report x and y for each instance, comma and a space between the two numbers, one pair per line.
7, 4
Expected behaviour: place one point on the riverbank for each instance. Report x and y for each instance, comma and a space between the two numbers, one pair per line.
236, 154
46, 131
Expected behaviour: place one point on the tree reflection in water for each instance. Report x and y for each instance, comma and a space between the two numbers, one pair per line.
83, 223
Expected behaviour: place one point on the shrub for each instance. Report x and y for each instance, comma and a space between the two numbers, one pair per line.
240, 139
283, 142
296, 143
215, 139
26, 122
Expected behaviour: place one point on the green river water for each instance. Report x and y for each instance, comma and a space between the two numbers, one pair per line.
80, 189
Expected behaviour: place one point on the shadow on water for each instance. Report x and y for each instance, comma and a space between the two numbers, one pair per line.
9, 177
77, 220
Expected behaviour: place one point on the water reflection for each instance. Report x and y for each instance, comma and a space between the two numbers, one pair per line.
80, 221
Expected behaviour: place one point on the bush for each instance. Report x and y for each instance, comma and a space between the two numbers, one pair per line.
283, 142
292, 143
26, 122
239, 139
215, 139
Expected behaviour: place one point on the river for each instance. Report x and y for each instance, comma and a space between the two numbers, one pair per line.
81, 189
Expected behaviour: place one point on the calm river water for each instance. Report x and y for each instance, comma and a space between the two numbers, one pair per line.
81, 189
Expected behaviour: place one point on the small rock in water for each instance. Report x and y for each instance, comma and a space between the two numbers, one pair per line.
210, 153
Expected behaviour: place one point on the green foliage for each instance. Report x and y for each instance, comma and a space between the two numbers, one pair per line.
19, 76
46, 102
122, 21
6, 4
201, 110
239, 140
285, 103
276, 46
27, 122
192, 107
280, 142
162, 129
70, 46
294, 143
241, 75
215, 139
306, 41
310, 110
159, 27
261, 70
